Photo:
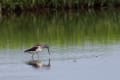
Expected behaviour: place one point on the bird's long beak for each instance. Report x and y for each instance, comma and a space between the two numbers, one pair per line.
47, 47
48, 51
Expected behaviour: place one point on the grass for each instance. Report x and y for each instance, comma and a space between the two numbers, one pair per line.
12, 5
60, 29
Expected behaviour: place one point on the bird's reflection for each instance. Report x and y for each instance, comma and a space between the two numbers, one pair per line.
39, 64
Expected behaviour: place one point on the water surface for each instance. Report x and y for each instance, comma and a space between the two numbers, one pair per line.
83, 45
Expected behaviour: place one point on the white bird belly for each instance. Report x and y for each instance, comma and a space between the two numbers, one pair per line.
38, 50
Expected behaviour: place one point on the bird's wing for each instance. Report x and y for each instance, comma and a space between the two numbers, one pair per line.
31, 49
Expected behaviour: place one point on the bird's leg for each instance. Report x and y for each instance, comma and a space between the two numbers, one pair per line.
32, 56
37, 55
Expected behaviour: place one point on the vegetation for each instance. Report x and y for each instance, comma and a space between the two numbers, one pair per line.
34, 5
60, 29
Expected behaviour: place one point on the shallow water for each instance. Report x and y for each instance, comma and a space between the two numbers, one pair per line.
82, 45
88, 63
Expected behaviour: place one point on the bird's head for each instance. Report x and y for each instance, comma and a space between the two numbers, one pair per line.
47, 47
43, 46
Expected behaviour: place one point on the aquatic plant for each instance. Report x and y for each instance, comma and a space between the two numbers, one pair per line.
60, 29
57, 4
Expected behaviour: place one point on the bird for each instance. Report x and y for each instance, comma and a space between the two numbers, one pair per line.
36, 49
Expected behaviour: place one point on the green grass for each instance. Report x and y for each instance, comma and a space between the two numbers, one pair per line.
60, 29
58, 3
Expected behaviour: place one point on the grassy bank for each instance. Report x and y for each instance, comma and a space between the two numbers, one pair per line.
35, 5
60, 29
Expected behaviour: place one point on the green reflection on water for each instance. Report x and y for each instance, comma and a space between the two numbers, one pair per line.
60, 29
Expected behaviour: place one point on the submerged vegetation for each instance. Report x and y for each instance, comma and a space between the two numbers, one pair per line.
60, 29
36, 5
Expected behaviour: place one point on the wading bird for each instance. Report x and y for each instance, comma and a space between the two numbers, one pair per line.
36, 49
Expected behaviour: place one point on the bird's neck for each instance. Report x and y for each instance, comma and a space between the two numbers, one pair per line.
39, 46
